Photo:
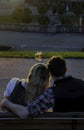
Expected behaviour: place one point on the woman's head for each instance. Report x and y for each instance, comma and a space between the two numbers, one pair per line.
38, 80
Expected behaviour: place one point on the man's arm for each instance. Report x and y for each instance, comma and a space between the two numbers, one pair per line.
38, 106
42, 103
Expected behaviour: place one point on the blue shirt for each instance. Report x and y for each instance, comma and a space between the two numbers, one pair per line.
42, 103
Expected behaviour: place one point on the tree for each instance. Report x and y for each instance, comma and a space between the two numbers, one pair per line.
22, 15
17, 15
43, 20
61, 7
27, 15
42, 9
32, 2
78, 7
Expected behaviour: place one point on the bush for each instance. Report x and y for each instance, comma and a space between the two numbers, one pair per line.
22, 15
43, 20
68, 20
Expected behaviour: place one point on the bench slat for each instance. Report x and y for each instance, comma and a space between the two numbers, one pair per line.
47, 121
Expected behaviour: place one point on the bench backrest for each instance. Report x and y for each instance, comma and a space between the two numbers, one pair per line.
47, 121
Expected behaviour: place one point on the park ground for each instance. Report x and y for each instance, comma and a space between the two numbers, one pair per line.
42, 41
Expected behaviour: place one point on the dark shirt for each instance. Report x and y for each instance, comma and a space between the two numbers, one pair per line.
69, 94
18, 94
64, 96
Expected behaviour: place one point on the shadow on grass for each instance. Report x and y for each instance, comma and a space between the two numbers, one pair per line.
5, 48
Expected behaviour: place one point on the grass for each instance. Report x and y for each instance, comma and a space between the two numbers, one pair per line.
31, 54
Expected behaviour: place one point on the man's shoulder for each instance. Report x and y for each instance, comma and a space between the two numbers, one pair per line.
78, 80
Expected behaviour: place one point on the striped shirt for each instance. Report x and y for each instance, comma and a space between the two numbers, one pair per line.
42, 103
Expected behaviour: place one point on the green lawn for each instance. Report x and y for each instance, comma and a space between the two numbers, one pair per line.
31, 54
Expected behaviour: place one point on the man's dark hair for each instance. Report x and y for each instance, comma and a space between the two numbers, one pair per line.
57, 66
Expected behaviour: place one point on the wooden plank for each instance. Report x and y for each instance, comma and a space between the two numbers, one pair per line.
47, 121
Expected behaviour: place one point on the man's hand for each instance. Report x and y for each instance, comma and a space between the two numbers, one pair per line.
3, 104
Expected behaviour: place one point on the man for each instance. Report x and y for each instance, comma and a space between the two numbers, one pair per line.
66, 95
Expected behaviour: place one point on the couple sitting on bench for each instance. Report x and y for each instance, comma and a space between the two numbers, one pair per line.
65, 95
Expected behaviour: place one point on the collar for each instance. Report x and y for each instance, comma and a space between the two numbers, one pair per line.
61, 77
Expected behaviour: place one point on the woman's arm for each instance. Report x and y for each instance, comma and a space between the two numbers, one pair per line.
38, 106
19, 110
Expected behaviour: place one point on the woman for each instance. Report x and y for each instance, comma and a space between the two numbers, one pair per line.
26, 90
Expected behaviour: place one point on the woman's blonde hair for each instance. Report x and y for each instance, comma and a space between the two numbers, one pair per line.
37, 79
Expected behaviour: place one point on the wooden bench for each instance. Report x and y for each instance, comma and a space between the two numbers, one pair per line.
47, 121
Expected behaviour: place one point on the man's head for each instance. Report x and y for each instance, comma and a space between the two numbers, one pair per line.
57, 66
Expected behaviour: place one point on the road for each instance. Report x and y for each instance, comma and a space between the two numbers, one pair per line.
43, 42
